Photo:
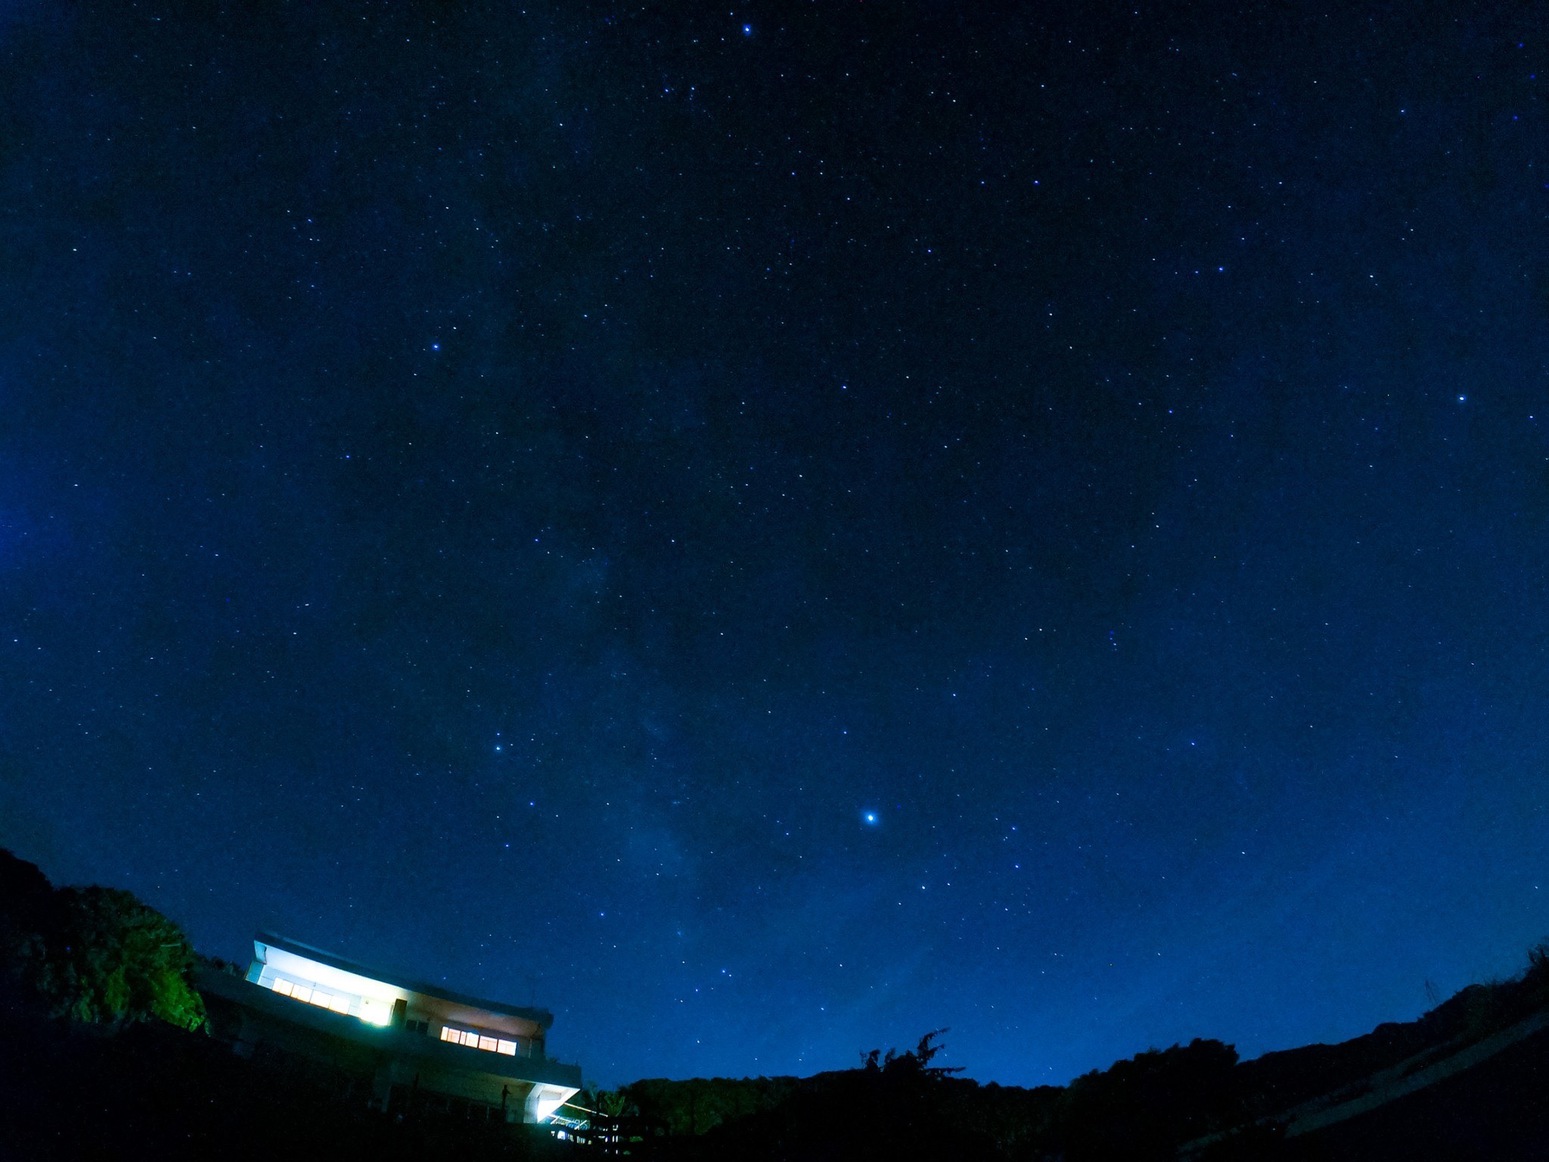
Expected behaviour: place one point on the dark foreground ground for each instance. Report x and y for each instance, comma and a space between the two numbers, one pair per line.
68, 1092
1499, 1109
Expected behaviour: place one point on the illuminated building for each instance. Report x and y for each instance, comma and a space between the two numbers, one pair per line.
404, 1045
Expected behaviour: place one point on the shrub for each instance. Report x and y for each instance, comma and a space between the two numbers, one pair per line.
96, 955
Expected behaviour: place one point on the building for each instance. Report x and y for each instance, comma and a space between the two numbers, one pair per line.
402, 1044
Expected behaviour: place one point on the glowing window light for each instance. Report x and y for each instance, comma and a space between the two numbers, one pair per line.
314, 974
372, 1009
475, 1040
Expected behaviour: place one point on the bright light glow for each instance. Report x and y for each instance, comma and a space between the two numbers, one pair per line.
545, 1099
347, 993
370, 1011
507, 1047
303, 968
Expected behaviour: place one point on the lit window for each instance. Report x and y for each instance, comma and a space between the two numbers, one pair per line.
284, 987
473, 1040
322, 1000
376, 1012
302, 993
340, 1005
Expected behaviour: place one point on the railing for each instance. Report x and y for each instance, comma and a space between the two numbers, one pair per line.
612, 1137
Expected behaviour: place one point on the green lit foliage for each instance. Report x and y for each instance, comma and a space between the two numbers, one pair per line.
115, 960
615, 1103
606, 1103
96, 955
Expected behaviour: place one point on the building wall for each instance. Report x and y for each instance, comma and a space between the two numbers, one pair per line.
392, 1059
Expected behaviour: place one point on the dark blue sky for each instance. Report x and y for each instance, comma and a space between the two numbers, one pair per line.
773, 530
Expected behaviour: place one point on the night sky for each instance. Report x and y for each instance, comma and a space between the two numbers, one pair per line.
771, 530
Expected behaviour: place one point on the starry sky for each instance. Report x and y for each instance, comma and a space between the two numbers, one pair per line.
769, 530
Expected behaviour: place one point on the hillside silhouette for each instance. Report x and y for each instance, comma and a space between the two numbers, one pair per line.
103, 1044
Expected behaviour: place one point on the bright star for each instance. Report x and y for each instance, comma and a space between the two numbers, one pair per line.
870, 818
